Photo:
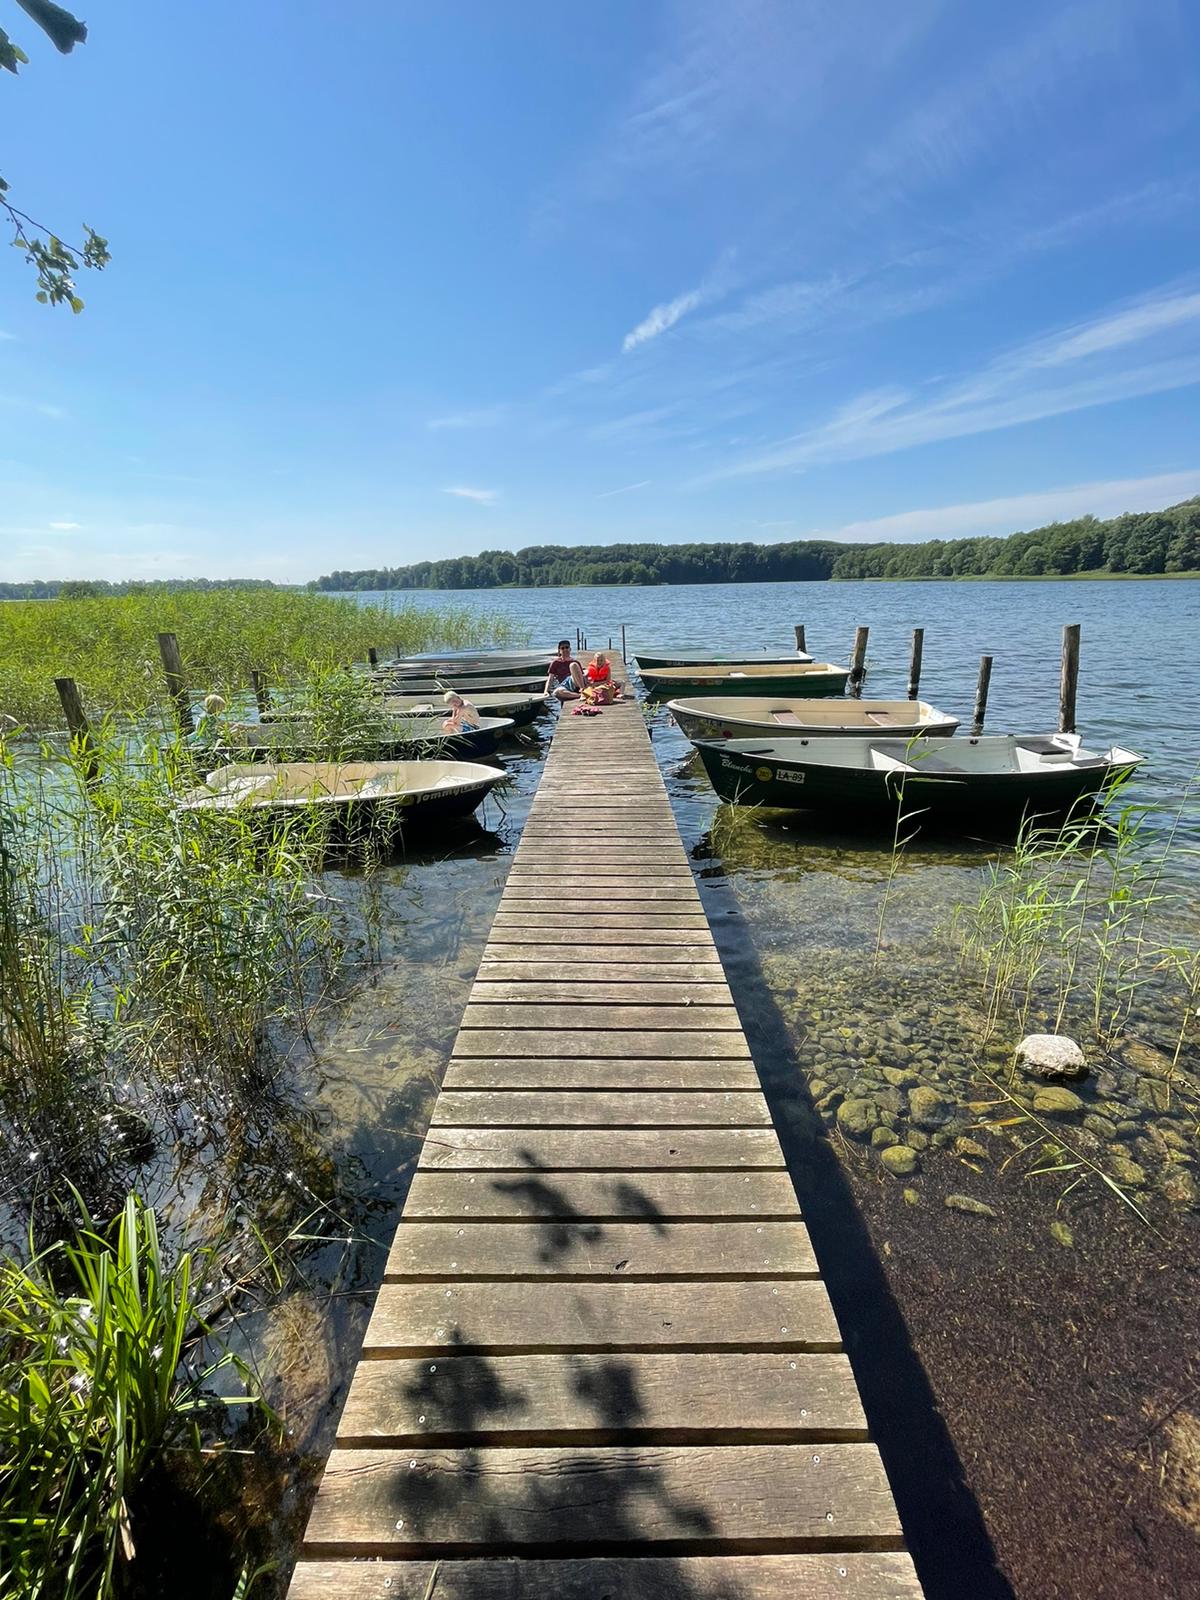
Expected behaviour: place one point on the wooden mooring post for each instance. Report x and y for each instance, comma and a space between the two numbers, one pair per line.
624, 656
372, 655
79, 726
801, 646
168, 649
858, 661
914, 662
981, 693
1069, 682
262, 695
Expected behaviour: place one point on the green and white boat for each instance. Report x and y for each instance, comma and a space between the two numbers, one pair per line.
993, 773
357, 796
400, 685
521, 709
502, 664
418, 736
800, 680
720, 717
650, 659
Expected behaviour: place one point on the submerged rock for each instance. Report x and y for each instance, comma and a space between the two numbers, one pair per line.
1051, 1056
966, 1202
1126, 1172
1057, 1102
857, 1118
926, 1108
900, 1077
970, 1148
1180, 1187
883, 1138
1060, 1231
900, 1160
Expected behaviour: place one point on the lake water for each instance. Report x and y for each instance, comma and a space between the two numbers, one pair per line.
1140, 658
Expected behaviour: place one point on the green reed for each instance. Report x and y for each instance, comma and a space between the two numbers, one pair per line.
139, 942
102, 1376
1072, 927
109, 644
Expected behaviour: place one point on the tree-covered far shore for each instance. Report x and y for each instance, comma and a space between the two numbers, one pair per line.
1138, 544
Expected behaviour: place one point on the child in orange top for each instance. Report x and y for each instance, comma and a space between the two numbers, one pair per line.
601, 688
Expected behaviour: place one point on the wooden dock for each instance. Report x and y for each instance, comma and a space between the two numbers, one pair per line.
602, 1362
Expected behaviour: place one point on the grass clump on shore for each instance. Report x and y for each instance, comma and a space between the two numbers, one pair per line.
108, 644
102, 1378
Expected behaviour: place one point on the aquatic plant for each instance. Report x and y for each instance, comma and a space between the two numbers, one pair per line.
1073, 927
101, 1374
109, 643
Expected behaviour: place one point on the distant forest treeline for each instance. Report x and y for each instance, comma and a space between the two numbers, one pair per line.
1141, 543
88, 588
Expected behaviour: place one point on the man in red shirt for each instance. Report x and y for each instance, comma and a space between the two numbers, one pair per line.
564, 678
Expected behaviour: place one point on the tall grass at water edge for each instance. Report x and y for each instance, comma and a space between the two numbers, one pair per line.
1080, 928
109, 645
145, 951
103, 1379
156, 967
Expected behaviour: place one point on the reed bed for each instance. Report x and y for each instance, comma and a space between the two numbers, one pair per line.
103, 1375
108, 644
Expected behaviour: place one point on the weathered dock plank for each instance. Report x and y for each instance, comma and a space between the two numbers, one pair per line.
658, 1197
592, 1399
602, 1361
869, 1576
507, 1318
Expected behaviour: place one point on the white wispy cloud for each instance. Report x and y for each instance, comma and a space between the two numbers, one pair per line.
482, 497
1066, 370
1107, 498
661, 318
481, 417
64, 527
626, 488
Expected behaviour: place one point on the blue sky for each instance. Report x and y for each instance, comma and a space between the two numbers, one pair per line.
397, 280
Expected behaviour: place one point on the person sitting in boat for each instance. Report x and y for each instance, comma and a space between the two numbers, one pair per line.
601, 690
564, 677
462, 714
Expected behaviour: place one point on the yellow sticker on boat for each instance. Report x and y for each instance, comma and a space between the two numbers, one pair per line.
763, 774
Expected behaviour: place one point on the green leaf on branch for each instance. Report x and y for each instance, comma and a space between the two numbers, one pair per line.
62, 29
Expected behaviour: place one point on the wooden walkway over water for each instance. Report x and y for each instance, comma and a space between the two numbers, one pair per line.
602, 1364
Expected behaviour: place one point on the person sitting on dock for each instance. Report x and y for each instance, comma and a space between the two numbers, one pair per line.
462, 713
601, 690
564, 678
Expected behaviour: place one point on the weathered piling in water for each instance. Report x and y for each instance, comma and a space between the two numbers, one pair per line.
914, 662
981, 693
624, 656
1069, 682
168, 649
372, 656
262, 695
858, 660
801, 646
78, 724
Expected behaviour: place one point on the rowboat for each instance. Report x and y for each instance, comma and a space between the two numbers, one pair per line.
411, 687
520, 709
508, 664
803, 679
395, 736
718, 717
1009, 773
355, 795
716, 658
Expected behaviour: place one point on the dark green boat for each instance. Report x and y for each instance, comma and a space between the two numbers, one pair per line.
994, 773
800, 679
